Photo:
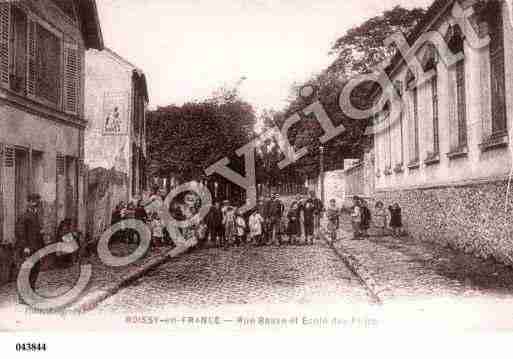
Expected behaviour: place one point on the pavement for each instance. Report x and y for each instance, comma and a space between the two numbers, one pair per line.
213, 278
415, 284
406, 273
105, 280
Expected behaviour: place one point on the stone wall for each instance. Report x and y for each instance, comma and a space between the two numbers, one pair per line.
472, 218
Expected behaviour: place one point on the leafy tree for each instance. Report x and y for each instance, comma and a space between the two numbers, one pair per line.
358, 51
187, 139
361, 49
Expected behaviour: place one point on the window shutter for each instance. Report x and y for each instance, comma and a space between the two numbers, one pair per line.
72, 74
5, 29
9, 156
31, 54
60, 164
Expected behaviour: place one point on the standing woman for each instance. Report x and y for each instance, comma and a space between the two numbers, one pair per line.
309, 209
294, 226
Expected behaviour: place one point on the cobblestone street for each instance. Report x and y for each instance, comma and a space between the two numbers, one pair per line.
291, 275
54, 282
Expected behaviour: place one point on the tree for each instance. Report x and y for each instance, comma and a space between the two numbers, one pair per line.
187, 139
358, 51
361, 49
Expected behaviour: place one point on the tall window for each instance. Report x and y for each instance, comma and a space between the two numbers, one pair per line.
399, 88
18, 71
497, 68
415, 119
31, 60
461, 103
456, 44
434, 94
387, 121
401, 126
48, 65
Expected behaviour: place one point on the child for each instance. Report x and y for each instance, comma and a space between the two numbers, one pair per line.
395, 219
230, 227
366, 218
333, 220
294, 224
381, 218
157, 230
241, 228
356, 218
256, 223
66, 235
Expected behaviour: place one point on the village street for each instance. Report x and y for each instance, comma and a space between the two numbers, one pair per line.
292, 275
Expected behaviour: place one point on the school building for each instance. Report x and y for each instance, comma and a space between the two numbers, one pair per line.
447, 158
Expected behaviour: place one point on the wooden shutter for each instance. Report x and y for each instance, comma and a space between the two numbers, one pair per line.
60, 164
72, 75
9, 156
31, 54
5, 29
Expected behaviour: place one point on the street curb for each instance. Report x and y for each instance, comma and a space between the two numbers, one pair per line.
358, 269
92, 300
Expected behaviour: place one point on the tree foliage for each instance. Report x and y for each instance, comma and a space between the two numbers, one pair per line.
362, 48
358, 51
187, 139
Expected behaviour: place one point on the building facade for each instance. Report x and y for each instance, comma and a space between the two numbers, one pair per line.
447, 158
116, 101
42, 123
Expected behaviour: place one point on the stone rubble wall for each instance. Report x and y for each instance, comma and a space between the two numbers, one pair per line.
472, 218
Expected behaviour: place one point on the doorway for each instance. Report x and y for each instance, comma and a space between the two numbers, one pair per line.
21, 167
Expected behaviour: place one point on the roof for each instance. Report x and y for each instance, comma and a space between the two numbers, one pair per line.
432, 12
90, 24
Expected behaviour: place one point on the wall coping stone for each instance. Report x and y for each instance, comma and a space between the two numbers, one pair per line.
455, 184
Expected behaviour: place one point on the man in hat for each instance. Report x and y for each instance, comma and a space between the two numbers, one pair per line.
312, 210
276, 209
224, 210
29, 238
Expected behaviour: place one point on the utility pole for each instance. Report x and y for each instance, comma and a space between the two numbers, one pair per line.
321, 172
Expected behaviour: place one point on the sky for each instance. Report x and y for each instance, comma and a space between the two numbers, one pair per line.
190, 48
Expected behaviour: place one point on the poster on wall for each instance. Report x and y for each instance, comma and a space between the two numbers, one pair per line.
115, 114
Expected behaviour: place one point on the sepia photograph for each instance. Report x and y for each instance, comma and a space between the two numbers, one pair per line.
255, 166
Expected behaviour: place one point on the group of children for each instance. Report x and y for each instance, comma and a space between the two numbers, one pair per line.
361, 218
267, 223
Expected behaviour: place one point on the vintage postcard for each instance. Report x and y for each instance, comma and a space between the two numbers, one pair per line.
255, 166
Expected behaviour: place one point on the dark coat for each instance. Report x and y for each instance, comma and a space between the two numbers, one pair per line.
214, 218
28, 232
140, 214
395, 217
294, 225
365, 217
276, 209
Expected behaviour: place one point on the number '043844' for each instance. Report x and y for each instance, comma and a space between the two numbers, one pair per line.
30, 347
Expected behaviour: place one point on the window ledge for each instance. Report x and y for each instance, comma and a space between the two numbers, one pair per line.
494, 141
458, 152
432, 158
414, 164
399, 168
